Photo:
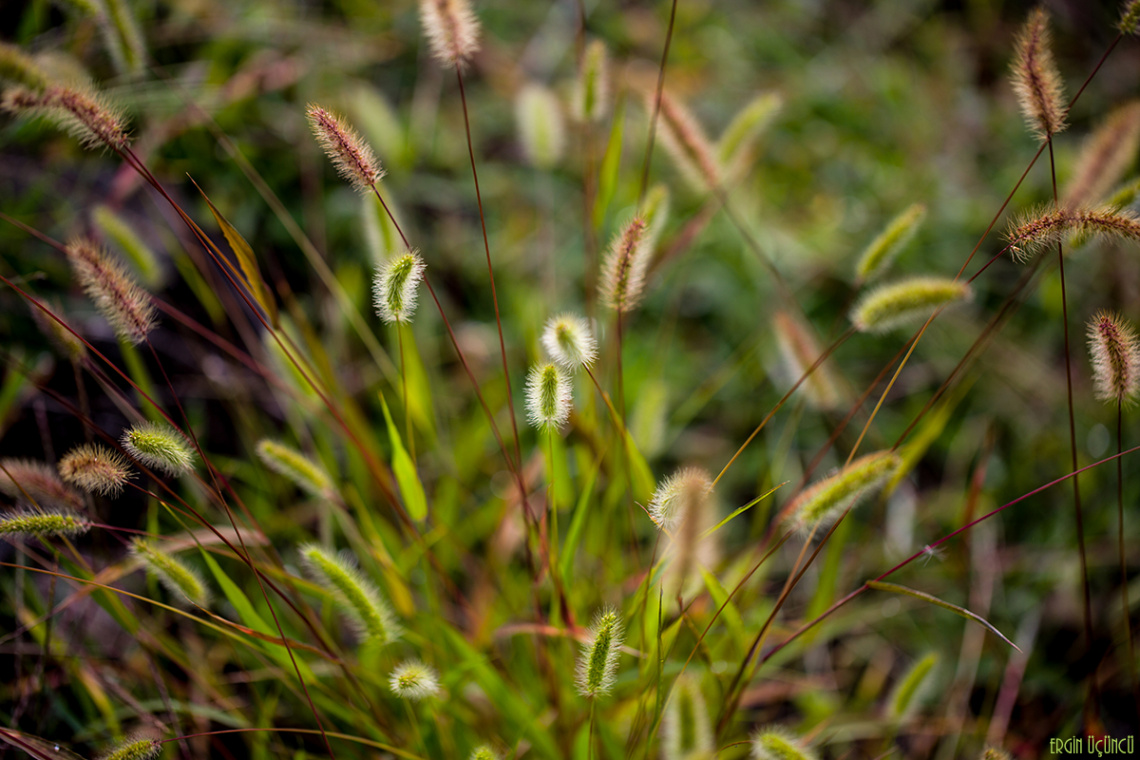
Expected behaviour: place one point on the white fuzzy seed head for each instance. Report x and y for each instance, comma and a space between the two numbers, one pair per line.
683, 490
548, 397
569, 341
396, 287
452, 30
597, 665
1115, 358
414, 680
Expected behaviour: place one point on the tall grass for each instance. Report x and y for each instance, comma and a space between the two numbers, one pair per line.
811, 441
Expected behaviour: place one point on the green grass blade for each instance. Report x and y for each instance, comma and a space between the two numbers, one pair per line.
896, 589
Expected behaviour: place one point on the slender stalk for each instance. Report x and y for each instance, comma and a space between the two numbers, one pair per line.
1126, 608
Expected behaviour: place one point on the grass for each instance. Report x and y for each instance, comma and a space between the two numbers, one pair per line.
801, 505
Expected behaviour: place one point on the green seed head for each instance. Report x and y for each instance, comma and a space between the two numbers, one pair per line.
358, 598
95, 469
395, 287
159, 447
178, 578
548, 397
135, 749
414, 680
906, 302
598, 662
569, 341
43, 524
292, 464
777, 743
823, 501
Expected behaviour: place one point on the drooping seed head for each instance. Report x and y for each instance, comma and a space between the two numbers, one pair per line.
569, 341
125, 306
43, 523
96, 469
19, 68
1115, 358
1105, 156
37, 483
912, 688
905, 302
452, 30
685, 726
685, 142
548, 397
292, 464
541, 129
623, 274
352, 157
687, 489
800, 352
778, 743
822, 502
885, 248
597, 664
1038, 229
1035, 78
396, 287
134, 748
590, 96
82, 113
159, 447
180, 579
414, 680
355, 595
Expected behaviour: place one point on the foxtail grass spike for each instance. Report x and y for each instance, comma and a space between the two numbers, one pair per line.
569, 341
396, 287
623, 274
912, 688
121, 235
736, 146
541, 128
484, 752
597, 664
778, 743
179, 578
1105, 156
83, 114
885, 248
548, 397
124, 305
352, 157
452, 30
905, 302
1115, 358
357, 597
686, 143
685, 727
414, 680
1033, 232
590, 97
994, 753
24, 479
1035, 78
684, 490
136, 748
292, 464
17, 67
96, 469
1129, 17
686, 502
826, 499
800, 351
159, 447
43, 523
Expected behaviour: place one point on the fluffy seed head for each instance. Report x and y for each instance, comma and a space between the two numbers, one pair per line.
96, 469
358, 598
1129, 17
826, 499
569, 341
484, 752
1038, 229
1115, 358
83, 114
800, 352
292, 464
778, 743
414, 680
1035, 78
885, 248
180, 579
541, 129
1104, 158
395, 287
912, 688
125, 305
685, 142
685, 506
623, 274
904, 302
548, 397
27, 480
736, 146
684, 490
159, 447
134, 748
597, 664
42, 523
18, 67
685, 727
452, 30
351, 156
590, 97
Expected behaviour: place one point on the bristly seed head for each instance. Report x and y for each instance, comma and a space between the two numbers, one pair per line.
1129, 17
590, 97
414, 680
1038, 229
292, 464
84, 114
1115, 358
484, 752
623, 274
597, 664
548, 397
125, 305
685, 142
134, 748
685, 490
569, 341
159, 447
395, 287
452, 30
356, 596
821, 503
180, 579
96, 469
778, 743
1035, 78
352, 157
911, 300
41, 523
27, 480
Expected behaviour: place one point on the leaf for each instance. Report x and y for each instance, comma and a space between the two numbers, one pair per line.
896, 589
41, 749
743, 509
578, 522
611, 162
413, 491
251, 276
